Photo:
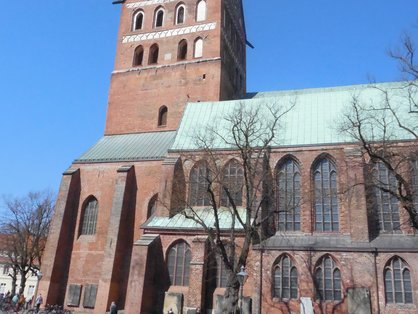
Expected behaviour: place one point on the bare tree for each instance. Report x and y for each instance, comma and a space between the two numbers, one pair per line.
239, 191
25, 228
387, 130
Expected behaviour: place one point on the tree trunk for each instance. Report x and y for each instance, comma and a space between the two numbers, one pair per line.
22, 281
231, 300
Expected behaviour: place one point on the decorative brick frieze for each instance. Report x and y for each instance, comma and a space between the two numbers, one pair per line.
169, 33
141, 4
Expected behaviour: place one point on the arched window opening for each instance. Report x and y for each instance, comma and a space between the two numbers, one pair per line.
198, 48
182, 50
138, 20
201, 11
89, 217
288, 195
398, 285
138, 56
178, 263
325, 196
415, 182
199, 182
285, 279
386, 205
162, 116
153, 54
159, 17
328, 280
232, 181
152, 206
180, 14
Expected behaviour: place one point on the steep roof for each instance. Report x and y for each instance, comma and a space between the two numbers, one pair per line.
312, 120
129, 147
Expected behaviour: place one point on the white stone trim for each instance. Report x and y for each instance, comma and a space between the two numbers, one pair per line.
141, 68
145, 3
169, 33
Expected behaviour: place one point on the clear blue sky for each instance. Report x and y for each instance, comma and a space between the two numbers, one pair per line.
56, 57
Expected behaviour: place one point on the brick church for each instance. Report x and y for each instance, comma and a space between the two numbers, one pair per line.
180, 65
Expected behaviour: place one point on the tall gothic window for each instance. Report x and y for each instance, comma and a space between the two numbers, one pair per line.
232, 180
153, 54
285, 279
180, 14
415, 182
198, 48
386, 205
398, 285
178, 263
162, 116
89, 217
288, 192
182, 50
201, 11
221, 274
328, 280
199, 182
138, 20
159, 17
325, 196
138, 56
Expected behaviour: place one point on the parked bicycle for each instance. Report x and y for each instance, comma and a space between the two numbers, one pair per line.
50, 309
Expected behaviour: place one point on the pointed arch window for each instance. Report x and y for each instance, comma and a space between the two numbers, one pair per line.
328, 280
201, 11
182, 50
199, 182
89, 217
159, 17
153, 54
178, 263
325, 196
180, 14
198, 48
138, 56
386, 205
138, 21
232, 180
398, 284
288, 198
285, 279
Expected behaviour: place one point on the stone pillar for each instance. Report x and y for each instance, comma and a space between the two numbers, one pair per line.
118, 248
59, 245
146, 280
197, 275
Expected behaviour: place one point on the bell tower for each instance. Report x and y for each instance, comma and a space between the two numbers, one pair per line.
171, 52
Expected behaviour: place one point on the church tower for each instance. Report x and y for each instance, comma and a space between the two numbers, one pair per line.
169, 53
172, 52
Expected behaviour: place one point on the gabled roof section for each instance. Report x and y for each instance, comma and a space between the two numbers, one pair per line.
181, 222
129, 147
312, 121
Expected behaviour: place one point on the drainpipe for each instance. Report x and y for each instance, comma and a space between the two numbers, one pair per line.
375, 253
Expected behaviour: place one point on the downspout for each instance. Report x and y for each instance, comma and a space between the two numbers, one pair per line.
375, 253
260, 283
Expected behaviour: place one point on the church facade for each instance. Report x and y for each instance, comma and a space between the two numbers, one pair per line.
180, 65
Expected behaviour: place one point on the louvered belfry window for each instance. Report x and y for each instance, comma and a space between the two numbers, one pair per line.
88, 226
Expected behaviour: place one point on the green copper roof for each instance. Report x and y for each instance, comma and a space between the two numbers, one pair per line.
312, 121
129, 147
180, 221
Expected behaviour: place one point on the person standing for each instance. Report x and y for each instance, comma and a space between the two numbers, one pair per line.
113, 308
39, 300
